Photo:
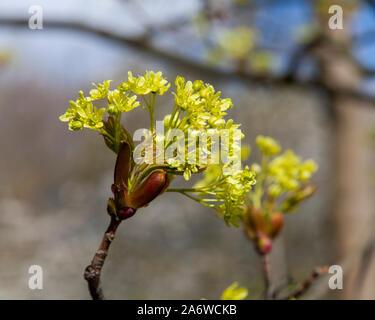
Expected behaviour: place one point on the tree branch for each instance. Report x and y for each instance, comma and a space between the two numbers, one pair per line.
142, 43
93, 271
267, 277
305, 285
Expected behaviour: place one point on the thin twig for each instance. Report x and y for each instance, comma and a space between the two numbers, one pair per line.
93, 271
286, 283
267, 277
305, 285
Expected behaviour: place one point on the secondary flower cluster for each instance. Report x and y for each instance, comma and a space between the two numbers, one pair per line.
230, 190
282, 183
237, 45
281, 174
196, 107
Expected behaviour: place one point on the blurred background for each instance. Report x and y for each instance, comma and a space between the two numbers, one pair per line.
289, 76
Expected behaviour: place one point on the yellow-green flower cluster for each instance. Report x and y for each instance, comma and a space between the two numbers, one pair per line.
100, 91
119, 101
267, 145
82, 113
197, 110
151, 82
199, 107
279, 174
288, 172
236, 47
234, 292
234, 192
237, 43
230, 190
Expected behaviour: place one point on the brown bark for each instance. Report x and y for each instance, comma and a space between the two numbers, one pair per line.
93, 271
305, 285
267, 277
352, 210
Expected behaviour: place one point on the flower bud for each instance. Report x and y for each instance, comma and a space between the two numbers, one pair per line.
204, 93
254, 222
76, 125
198, 85
256, 219
264, 244
276, 223
154, 185
126, 212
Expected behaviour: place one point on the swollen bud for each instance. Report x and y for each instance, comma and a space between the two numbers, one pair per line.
126, 212
276, 223
261, 227
254, 222
198, 85
76, 125
264, 244
154, 185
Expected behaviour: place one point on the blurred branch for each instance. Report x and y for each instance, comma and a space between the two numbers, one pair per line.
365, 264
151, 27
300, 53
142, 43
267, 277
93, 271
347, 264
305, 285
285, 284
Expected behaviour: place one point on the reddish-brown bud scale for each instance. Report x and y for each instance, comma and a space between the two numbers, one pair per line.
254, 222
122, 165
255, 219
120, 193
113, 188
149, 189
276, 224
125, 213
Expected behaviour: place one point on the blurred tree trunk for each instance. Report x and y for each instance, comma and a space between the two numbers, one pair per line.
352, 210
